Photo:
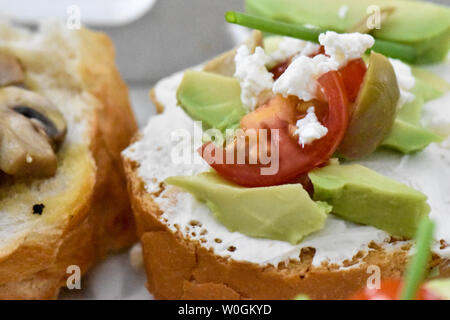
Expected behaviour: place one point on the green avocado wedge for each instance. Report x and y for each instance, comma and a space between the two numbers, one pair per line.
361, 195
440, 287
408, 138
407, 135
423, 25
211, 98
284, 212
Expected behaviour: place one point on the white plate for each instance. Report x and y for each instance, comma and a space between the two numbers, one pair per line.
93, 13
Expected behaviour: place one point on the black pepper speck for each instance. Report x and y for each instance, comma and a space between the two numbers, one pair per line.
38, 208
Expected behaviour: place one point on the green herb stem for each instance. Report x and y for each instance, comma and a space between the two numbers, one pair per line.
418, 264
391, 49
276, 27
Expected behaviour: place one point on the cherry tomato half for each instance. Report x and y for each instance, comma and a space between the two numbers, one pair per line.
391, 290
353, 75
293, 159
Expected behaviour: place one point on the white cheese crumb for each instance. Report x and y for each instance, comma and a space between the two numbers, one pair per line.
343, 10
300, 78
345, 47
256, 82
29, 159
290, 47
406, 81
309, 128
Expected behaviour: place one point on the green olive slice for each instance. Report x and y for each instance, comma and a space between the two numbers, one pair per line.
374, 111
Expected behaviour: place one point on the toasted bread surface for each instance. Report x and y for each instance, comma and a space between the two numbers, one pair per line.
87, 212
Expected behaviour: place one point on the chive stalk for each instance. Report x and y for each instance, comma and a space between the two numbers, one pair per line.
388, 48
418, 264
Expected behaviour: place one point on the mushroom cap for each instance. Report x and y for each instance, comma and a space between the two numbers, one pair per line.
31, 130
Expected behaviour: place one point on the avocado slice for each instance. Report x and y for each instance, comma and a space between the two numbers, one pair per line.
407, 135
284, 212
361, 195
429, 85
374, 111
211, 98
408, 138
440, 287
424, 25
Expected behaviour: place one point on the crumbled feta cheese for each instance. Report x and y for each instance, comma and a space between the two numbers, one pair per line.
300, 78
406, 81
345, 47
343, 10
309, 128
290, 47
256, 82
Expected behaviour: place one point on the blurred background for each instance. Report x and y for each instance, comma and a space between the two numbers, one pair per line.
153, 39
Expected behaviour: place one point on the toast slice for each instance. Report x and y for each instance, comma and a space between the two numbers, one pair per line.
86, 211
191, 256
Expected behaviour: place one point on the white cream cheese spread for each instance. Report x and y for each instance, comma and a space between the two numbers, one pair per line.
406, 81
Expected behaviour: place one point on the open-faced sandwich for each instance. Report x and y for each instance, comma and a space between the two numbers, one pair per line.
299, 162
65, 117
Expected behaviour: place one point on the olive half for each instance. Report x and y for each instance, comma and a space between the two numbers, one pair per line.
31, 130
374, 112
11, 72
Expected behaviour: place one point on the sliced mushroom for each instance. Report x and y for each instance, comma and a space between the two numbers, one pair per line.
38, 109
24, 150
224, 64
31, 129
11, 72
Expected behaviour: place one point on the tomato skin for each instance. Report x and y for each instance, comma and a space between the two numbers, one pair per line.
353, 75
391, 290
294, 160
280, 68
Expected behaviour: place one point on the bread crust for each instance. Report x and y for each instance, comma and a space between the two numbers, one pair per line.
37, 267
181, 268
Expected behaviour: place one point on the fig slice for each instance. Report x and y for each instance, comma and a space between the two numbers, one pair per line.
374, 112
11, 72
